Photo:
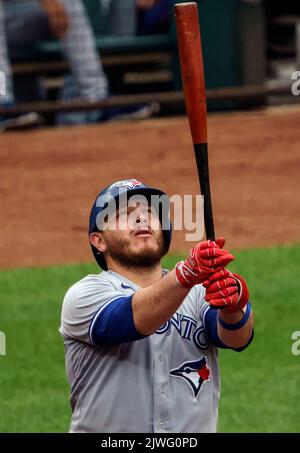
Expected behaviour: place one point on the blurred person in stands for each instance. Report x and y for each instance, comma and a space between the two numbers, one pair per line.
153, 16
25, 22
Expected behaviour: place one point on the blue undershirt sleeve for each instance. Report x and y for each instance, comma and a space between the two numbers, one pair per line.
113, 323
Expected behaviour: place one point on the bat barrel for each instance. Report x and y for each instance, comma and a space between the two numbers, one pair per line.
192, 69
193, 80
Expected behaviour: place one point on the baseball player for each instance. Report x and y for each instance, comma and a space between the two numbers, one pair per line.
141, 343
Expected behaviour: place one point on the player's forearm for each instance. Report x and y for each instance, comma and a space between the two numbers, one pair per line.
235, 338
155, 305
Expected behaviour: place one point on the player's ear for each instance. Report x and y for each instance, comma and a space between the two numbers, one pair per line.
97, 240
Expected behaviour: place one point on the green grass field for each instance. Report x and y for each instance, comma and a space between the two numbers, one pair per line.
260, 387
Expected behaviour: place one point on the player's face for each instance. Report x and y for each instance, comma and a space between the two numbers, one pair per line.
137, 238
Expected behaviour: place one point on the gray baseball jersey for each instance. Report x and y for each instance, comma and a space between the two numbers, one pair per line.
165, 383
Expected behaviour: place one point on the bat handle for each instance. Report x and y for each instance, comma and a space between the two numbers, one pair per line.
203, 172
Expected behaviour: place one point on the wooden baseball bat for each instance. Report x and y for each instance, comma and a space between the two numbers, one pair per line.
193, 80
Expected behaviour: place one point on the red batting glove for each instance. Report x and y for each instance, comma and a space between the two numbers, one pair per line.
227, 291
204, 259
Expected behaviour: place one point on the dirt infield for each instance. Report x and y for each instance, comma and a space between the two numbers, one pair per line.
49, 178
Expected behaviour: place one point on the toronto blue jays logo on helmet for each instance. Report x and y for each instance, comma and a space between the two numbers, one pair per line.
128, 183
194, 373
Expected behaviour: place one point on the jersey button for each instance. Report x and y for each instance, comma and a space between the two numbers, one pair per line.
163, 389
160, 357
162, 425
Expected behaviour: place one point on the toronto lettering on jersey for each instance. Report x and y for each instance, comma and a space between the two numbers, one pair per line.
187, 328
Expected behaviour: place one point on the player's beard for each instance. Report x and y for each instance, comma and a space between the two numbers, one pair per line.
120, 251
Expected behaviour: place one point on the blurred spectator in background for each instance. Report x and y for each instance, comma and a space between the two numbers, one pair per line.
24, 22
119, 16
131, 17
154, 16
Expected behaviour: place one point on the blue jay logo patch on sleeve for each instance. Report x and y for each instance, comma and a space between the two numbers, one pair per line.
195, 373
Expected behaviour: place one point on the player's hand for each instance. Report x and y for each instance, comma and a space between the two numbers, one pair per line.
57, 16
204, 259
226, 291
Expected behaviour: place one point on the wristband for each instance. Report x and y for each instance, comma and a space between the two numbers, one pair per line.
184, 276
240, 323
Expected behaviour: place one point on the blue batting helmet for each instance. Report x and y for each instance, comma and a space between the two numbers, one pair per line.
114, 191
